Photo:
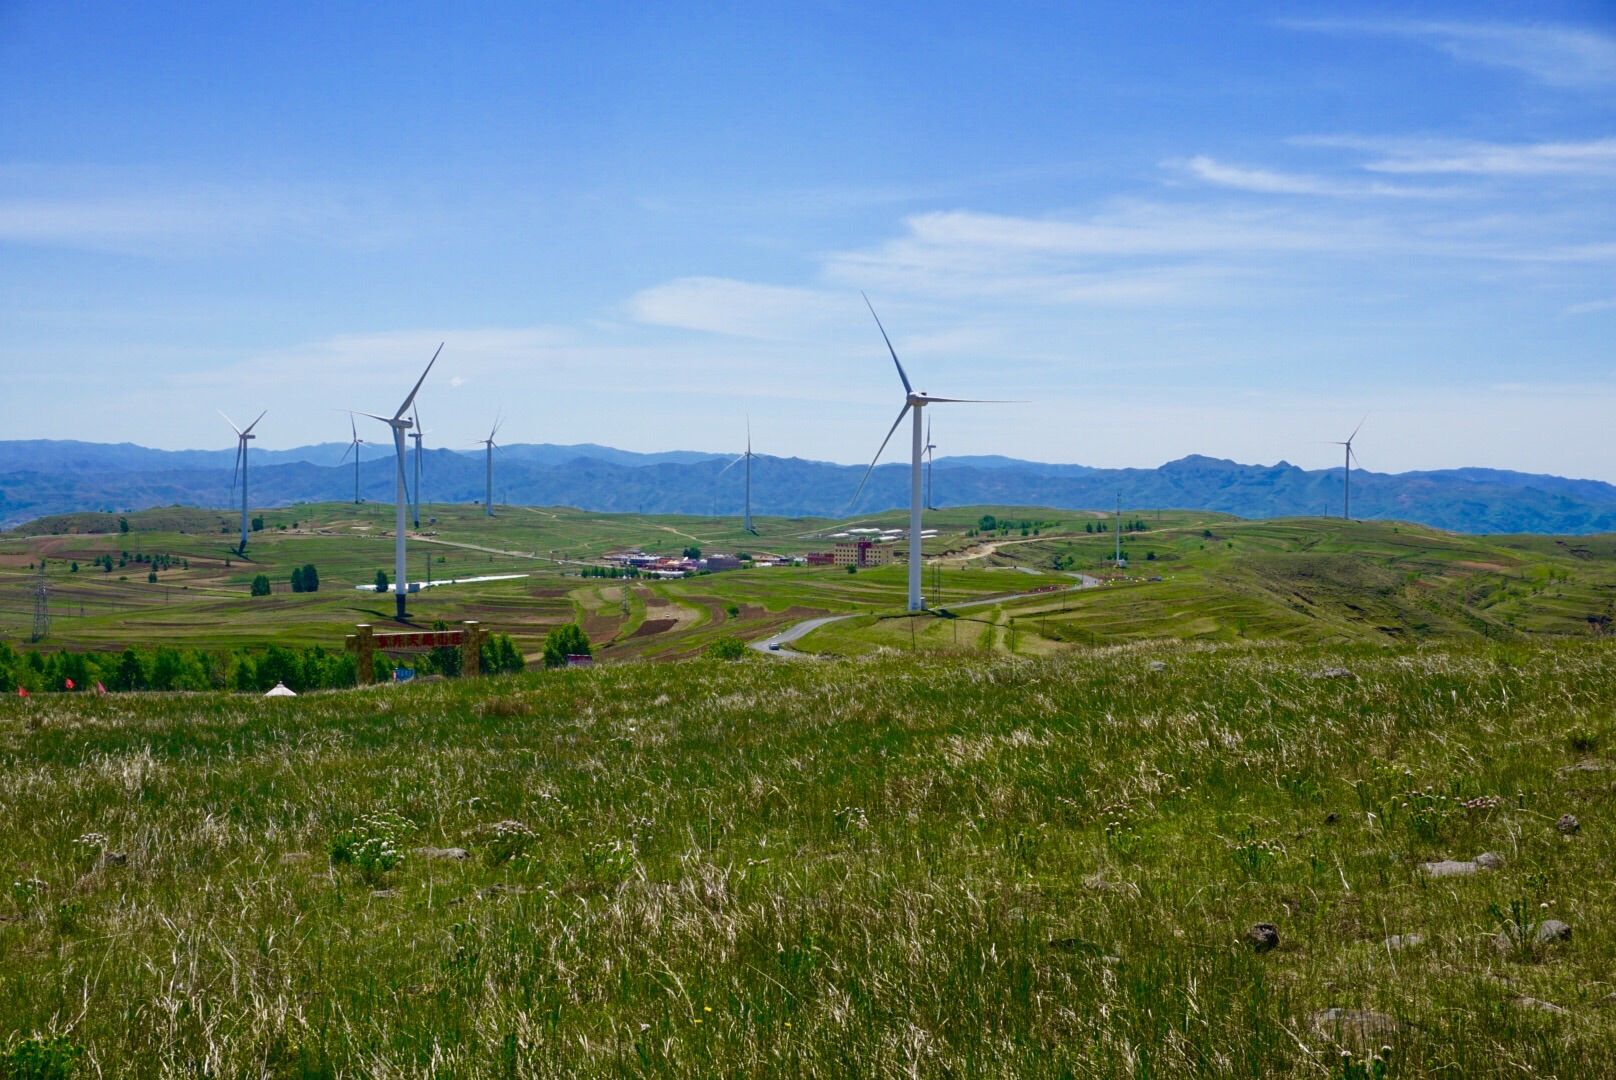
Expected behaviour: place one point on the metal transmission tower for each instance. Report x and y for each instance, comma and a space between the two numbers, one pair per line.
41, 606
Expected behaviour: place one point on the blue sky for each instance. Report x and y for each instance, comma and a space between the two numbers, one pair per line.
1172, 229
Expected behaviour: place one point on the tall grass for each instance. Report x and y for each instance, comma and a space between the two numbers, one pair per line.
876, 867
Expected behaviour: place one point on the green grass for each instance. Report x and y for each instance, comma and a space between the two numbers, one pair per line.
1221, 579
949, 865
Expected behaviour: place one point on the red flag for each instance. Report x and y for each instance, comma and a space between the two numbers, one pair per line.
69, 684
22, 692
100, 689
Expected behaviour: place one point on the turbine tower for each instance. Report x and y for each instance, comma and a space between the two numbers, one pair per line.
1346, 487
416, 434
401, 427
490, 446
354, 448
746, 519
916, 402
243, 435
930, 446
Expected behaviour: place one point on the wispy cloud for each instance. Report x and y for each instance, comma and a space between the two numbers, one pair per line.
1588, 157
1567, 57
1592, 307
136, 212
1270, 182
736, 308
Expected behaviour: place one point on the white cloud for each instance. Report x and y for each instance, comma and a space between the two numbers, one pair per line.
1589, 157
138, 212
1561, 56
1268, 182
736, 308
1592, 307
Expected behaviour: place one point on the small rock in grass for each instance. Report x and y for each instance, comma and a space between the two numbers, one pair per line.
114, 858
1404, 941
1156, 665
451, 854
1358, 1026
1590, 765
1488, 861
1450, 868
382, 894
1334, 673
1568, 825
288, 858
1538, 1005
1552, 930
1263, 936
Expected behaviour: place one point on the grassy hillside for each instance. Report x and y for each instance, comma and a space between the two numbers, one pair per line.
1191, 576
942, 866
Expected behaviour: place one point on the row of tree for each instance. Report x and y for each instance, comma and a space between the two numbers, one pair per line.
248, 670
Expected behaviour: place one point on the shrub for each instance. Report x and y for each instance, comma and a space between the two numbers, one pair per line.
727, 648
381, 581
373, 845
260, 586
42, 1057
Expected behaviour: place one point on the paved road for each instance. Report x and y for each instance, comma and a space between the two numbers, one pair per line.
808, 626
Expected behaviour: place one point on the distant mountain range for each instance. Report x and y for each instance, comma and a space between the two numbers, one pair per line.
42, 477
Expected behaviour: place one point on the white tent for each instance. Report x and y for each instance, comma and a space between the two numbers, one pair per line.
280, 690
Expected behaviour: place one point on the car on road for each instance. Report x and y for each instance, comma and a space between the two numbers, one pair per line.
774, 646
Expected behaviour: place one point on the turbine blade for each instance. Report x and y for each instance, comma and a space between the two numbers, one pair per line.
976, 401
255, 422
901, 414
353, 427
901, 374
241, 446
1357, 429
231, 422
731, 465
344, 456
404, 408
388, 420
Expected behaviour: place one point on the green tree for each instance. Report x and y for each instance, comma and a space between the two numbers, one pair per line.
311, 578
381, 581
257, 524
727, 648
988, 523
123, 524
151, 577
73, 569
562, 642
130, 674
297, 579
692, 552
260, 586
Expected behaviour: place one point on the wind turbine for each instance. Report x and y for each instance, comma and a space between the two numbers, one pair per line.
491, 445
401, 426
746, 519
354, 447
242, 437
416, 434
1346, 488
930, 446
916, 402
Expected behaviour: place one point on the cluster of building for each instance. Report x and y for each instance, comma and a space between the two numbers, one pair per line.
678, 566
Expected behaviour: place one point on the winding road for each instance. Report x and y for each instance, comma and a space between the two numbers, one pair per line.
775, 645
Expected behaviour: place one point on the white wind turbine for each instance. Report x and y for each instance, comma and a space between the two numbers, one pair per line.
490, 446
243, 435
931, 504
401, 426
1346, 489
417, 434
916, 402
354, 448
746, 519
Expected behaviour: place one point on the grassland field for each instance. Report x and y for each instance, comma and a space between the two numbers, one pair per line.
1189, 576
933, 865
